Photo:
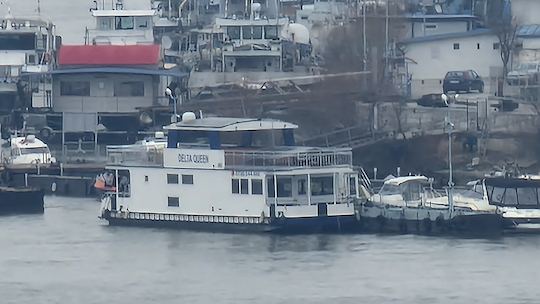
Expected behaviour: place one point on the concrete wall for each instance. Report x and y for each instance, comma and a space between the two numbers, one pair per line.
432, 59
102, 97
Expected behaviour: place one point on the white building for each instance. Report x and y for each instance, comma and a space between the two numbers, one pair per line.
429, 58
428, 25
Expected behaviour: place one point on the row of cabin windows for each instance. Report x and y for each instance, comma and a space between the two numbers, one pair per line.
496, 46
241, 186
252, 32
322, 185
186, 179
121, 89
123, 23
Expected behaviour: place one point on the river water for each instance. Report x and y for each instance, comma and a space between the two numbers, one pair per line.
66, 255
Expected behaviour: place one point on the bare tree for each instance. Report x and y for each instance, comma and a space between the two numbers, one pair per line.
504, 27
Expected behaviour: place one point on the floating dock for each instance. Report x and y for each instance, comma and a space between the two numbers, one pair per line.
21, 200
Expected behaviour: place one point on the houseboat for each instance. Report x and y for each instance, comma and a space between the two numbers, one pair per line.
231, 174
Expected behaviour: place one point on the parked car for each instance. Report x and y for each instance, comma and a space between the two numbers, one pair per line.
431, 100
465, 81
525, 73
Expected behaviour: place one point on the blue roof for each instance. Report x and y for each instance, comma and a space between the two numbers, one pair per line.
120, 70
429, 38
529, 31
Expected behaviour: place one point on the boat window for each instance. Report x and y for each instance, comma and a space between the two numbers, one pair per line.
411, 191
256, 32
389, 189
352, 185
284, 187
302, 187
246, 32
270, 32
244, 184
26, 41
187, 179
141, 22
105, 23
75, 88
322, 185
256, 186
233, 32
527, 196
270, 187
172, 178
173, 201
39, 150
146, 178
235, 186
129, 88
124, 23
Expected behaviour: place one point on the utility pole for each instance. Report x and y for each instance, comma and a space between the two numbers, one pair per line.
364, 42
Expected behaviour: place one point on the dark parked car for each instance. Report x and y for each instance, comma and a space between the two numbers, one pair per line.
463, 81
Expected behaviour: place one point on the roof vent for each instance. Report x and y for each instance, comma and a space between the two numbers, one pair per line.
188, 117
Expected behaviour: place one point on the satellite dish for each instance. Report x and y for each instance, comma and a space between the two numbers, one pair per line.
438, 8
166, 42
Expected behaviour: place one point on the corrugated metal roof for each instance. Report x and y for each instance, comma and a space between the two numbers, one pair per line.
529, 31
477, 32
109, 55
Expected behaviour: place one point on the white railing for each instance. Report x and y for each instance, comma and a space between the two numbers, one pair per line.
311, 159
135, 155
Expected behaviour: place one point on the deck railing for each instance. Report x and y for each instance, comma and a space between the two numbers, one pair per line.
310, 159
135, 155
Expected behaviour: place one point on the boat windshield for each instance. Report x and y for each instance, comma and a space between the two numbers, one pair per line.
389, 189
39, 150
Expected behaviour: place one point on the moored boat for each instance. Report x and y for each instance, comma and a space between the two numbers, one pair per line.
21, 200
232, 174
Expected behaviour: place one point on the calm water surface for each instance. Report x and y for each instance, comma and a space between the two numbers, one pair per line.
68, 256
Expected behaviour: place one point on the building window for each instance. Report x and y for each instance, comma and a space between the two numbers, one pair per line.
456, 46
256, 186
323, 185
75, 88
235, 186
430, 26
187, 179
496, 45
233, 32
123, 23
172, 178
270, 32
478, 46
173, 201
129, 88
244, 186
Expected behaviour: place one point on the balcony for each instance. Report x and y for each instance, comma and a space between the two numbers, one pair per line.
296, 158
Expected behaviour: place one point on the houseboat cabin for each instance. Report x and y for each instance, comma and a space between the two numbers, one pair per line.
232, 172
